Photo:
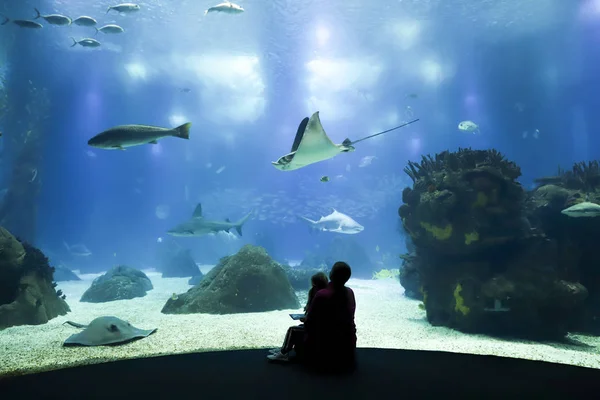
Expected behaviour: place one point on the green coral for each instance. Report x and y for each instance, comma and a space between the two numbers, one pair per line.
386, 273
460, 301
437, 232
481, 200
471, 237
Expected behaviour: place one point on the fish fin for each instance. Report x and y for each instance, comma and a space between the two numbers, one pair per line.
197, 211
153, 142
74, 42
6, 20
241, 222
38, 13
299, 134
97, 30
109, 8
183, 131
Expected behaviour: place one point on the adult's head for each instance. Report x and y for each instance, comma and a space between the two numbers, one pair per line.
319, 280
340, 273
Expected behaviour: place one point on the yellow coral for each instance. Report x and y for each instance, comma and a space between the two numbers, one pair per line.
460, 301
437, 232
481, 200
471, 237
386, 273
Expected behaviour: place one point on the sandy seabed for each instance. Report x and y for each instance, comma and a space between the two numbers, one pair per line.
384, 319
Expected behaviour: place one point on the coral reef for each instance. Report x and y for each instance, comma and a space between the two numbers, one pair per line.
118, 283
463, 202
409, 277
27, 290
576, 238
249, 281
480, 265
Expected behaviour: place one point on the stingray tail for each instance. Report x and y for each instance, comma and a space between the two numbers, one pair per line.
75, 324
241, 222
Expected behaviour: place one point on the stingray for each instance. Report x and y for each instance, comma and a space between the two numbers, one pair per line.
312, 145
105, 331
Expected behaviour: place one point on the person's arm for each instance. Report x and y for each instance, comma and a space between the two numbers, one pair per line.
314, 309
352, 301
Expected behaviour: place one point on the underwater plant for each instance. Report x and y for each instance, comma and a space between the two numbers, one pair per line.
582, 176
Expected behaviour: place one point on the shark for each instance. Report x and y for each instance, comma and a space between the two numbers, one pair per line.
312, 145
78, 249
336, 222
584, 209
197, 225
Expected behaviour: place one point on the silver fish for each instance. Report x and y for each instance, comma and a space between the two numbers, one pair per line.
87, 42
22, 23
53, 19
110, 29
85, 21
225, 7
124, 8
122, 136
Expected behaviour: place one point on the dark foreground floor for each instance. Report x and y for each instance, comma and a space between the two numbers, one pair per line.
242, 375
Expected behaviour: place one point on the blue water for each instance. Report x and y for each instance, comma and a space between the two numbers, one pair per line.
508, 65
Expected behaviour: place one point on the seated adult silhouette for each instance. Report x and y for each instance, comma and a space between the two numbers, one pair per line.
329, 330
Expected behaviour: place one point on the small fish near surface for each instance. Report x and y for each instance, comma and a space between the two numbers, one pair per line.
54, 19
585, 209
468, 126
336, 222
197, 225
111, 28
87, 42
22, 23
124, 8
85, 21
225, 7
122, 136
324, 178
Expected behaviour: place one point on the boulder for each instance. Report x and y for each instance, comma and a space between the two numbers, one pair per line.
179, 264
300, 277
249, 281
119, 283
63, 274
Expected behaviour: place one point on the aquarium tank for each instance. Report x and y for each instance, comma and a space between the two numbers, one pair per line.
175, 172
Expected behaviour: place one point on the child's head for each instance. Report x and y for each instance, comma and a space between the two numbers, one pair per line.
319, 280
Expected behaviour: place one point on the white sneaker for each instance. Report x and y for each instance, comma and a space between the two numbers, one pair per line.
279, 357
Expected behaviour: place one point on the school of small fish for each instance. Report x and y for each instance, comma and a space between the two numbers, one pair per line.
87, 21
